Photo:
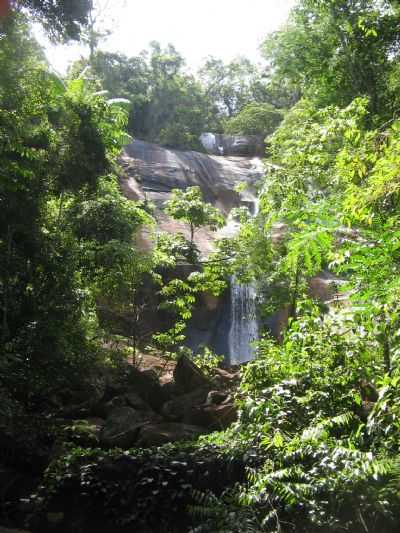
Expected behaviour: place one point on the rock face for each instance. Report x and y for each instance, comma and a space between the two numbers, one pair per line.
151, 172
228, 145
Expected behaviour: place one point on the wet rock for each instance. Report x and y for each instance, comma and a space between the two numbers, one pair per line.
232, 145
153, 171
159, 434
189, 377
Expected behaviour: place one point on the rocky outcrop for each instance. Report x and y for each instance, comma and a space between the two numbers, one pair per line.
215, 416
194, 405
233, 145
150, 172
181, 406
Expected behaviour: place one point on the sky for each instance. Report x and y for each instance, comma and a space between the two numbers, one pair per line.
222, 28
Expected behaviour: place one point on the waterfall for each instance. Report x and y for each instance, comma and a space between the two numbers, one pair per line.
244, 327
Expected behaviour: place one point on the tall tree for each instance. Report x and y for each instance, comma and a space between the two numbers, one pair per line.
58, 143
337, 50
62, 19
168, 105
231, 86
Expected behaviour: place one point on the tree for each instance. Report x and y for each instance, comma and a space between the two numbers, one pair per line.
188, 206
168, 106
336, 51
231, 86
58, 146
260, 119
99, 25
63, 20
177, 110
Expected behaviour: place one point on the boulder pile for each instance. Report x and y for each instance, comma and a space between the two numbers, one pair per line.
152, 408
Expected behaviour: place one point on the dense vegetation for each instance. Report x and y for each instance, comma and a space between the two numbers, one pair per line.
319, 409
170, 106
323, 402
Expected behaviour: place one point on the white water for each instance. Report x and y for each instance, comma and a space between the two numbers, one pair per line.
243, 330
244, 327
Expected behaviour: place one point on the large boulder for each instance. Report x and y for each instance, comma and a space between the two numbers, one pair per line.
129, 399
188, 377
232, 145
226, 379
122, 427
216, 397
214, 417
161, 433
180, 407
147, 386
209, 409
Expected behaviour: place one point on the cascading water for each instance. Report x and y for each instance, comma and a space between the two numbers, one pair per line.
244, 326
243, 329
227, 325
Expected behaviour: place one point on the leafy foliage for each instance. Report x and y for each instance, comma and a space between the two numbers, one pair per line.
167, 105
59, 143
322, 402
135, 488
319, 408
172, 107
207, 360
189, 207
61, 19
254, 119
